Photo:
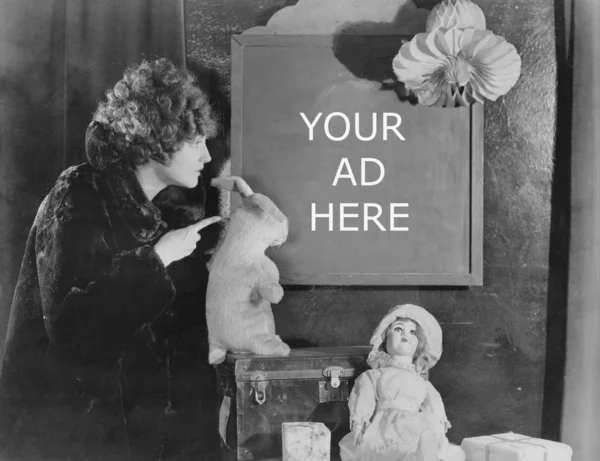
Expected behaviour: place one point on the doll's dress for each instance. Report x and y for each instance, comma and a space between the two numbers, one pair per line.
397, 405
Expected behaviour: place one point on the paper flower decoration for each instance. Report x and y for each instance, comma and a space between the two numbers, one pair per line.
451, 67
456, 13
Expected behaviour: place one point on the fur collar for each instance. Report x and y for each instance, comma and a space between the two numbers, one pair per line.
173, 207
141, 216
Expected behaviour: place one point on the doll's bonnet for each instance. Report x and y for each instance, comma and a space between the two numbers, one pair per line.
431, 329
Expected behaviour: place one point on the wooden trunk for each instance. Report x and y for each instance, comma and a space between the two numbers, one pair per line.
259, 393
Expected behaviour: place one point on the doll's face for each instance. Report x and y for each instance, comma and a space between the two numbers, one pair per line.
402, 338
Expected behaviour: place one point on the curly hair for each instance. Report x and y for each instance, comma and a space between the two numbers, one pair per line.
152, 111
420, 359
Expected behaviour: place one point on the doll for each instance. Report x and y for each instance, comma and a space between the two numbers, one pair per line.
243, 282
396, 414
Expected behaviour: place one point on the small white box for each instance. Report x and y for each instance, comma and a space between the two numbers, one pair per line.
514, 447
305, 442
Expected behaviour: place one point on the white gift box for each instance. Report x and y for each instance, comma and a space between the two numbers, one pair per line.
514, 447
305, 442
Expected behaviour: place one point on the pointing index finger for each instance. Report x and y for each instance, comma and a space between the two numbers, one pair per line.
205, 222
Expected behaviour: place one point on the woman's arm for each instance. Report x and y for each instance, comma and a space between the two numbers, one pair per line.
94, 297
181, 208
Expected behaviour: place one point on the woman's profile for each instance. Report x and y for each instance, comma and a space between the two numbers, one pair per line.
111, 276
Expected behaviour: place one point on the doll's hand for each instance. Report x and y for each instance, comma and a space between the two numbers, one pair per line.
357, 434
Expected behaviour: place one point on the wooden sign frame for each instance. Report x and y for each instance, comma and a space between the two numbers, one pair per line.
472, 276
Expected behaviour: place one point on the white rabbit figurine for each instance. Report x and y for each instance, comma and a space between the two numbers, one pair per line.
243, 281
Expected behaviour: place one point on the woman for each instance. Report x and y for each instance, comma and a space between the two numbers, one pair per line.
111, 279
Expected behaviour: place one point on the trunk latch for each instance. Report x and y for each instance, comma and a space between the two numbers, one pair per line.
259, 387
334, 373
334, 389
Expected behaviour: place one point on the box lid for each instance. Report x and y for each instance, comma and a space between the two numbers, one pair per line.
302, 363
511, 446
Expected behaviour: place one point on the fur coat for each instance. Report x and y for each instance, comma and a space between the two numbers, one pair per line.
106, 351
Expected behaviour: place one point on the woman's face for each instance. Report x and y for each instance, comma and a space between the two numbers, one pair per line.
186, 164
402, 338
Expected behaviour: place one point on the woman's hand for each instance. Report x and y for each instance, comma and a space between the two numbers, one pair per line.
178, 244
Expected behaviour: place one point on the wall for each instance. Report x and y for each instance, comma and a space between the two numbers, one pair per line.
492, 373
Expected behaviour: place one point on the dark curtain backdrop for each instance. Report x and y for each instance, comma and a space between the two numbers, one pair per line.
57, 57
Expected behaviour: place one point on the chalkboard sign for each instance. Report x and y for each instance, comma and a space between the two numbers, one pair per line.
378, 190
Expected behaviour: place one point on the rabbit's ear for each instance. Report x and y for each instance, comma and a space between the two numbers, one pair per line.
234, 184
